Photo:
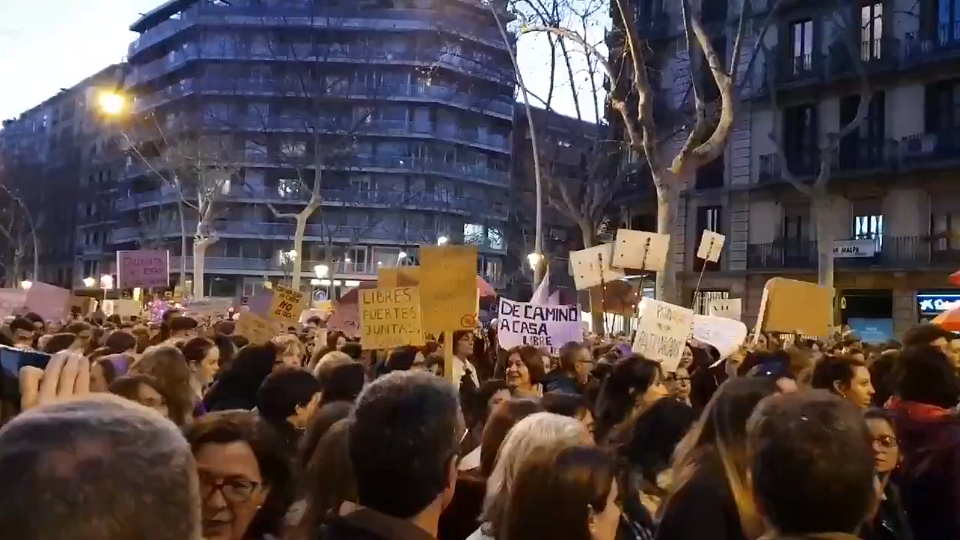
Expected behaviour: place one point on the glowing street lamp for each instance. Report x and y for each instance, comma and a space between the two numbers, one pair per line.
26, 284
321, 270
106, 282
533, 259
111, 103
89, 282
442, 241
315, 282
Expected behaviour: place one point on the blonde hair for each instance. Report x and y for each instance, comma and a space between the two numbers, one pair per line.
167, 365
331, 360
536, 432
288, 344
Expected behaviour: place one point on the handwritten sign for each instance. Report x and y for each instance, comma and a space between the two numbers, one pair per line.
346, 319
390, 318
711, 244
640, 250
286, 305
400, 276
449, 295
724, 334
662, 332
728, 308
255, 328
592, 266
205, 308
547, 327
143, 268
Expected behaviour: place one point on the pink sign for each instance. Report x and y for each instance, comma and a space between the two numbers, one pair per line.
346, 318
143, 268
48, 301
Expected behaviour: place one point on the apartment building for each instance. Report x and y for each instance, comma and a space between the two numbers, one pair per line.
55, 159
405, 107
894, 200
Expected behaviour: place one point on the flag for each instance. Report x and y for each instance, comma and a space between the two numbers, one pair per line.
542, 295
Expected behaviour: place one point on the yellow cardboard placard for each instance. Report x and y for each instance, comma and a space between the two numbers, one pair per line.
449, 296
790, 306
399, 276
255, 328
286, 305
390, 318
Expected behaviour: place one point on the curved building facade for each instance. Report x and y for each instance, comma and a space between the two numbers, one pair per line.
401, 109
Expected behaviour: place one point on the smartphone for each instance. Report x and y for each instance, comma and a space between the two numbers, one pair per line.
13, 360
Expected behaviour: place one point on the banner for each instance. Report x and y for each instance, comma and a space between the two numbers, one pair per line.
662, 332
143, 268
49, 301
390, 318
547, 327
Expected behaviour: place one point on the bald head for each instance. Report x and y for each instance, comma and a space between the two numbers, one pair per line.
99, 468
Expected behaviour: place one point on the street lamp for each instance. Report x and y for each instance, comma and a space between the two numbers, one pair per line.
89, 282
442, 241
321, 270
26, 284
314, 282
106, 282
533, 259
111, 103
400, 257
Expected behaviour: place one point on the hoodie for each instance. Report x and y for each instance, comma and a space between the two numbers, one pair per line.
929, 439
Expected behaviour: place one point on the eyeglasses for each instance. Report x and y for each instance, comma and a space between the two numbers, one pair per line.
234, 490
886, 441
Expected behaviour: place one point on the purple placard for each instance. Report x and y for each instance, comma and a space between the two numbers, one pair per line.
143, 268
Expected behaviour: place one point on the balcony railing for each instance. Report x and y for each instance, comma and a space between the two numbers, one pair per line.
875, 55
923, 49
802, 165
930, 149
903, 252
867, 154
320, 232
438, 202
793, 69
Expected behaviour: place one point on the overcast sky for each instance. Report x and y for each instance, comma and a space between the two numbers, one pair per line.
46, 45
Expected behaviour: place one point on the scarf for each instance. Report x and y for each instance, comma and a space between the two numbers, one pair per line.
920, 411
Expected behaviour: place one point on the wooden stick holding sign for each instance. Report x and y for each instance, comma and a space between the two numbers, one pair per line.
711, 244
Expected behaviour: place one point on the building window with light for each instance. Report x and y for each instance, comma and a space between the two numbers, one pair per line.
473, 234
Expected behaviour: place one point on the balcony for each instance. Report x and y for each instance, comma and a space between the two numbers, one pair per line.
862, 155
876, 55
929, 150
279, 230
893, 253
291, 18
800, 70
436, 202
804, 165
945, 45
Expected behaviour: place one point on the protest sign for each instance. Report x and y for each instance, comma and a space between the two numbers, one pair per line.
49, 301
390, 318
143, 268
12, 302
123, 307
795, 307
208, 307
640, 250
346, 319
255, 328
548, 327
592, 266
399, 276
729, 308
711, 244
726, 335
286, 306
449, 297
662, 332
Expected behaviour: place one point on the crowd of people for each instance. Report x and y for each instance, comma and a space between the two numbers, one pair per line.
183, 430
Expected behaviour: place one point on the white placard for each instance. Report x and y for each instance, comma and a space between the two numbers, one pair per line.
726, 335
640, 250
854, 249
591, 267
711, 244
662, 332
547, 327
728, 308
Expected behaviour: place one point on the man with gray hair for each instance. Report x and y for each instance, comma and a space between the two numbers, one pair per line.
96, 468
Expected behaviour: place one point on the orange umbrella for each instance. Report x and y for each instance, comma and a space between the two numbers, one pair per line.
955, 278
949, 320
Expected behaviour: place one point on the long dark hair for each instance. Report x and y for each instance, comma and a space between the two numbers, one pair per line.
237, 387
630, 377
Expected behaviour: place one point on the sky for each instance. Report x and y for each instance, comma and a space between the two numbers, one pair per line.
46, 45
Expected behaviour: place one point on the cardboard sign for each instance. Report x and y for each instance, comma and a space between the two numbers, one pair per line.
122, 307
795, 307
286, 306
662, 332
400, 276
346, 319
390, 318
255, 328
143, 268
592, 266
449, 297
726, 335
208, 307
50, 302
547, 327
711, 244
640, 250
728, 308
12, 302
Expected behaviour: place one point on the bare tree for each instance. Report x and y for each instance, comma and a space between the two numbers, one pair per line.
818, 191
632, 96
17, 225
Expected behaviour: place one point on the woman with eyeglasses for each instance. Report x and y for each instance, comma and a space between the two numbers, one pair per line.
678, 385
246, 485
891, 522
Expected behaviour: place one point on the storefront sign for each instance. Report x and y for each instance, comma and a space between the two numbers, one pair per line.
854, 249
933, 304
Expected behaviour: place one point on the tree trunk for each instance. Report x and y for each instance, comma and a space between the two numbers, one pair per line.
36, 258
298, 248
182, 280
823, 217
668, 203
596, 293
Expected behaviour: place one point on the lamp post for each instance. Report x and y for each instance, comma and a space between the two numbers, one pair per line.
533, 259
26, 284
322, 271
106, 283
89, 282
442, 241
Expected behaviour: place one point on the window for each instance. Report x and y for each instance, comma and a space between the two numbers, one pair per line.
360, 184
801, 47
800, 138
288, 188
945, 224
868, 221
942, 106
293, 148
871, 31
495, 238
473, 234
386, 256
